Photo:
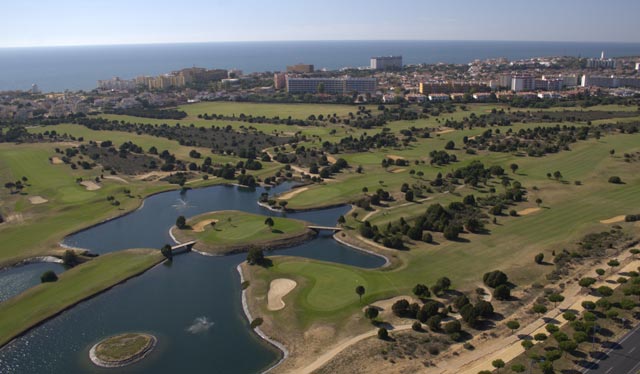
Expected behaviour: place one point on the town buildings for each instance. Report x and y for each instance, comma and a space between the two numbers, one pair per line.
601, 63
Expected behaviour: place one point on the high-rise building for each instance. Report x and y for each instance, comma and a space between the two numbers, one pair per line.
300, 69
523, 83
335, 86
279, 81
386, 63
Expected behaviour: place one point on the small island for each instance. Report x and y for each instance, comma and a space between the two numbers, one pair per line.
225, 232
121, 350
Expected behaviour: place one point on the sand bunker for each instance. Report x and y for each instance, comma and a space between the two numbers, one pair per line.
527, 211
293, 193
444, 130
113, 177
35, 200
395, 171
90, 185
56, 160
200, 226
331, 159
278, 289
615, 219
395, 157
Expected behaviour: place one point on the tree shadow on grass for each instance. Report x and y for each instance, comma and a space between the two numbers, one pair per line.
277, 231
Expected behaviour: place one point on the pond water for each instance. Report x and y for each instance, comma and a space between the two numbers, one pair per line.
192, 304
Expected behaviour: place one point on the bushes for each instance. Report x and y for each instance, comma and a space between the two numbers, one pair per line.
48, 276
615, 180
632, 218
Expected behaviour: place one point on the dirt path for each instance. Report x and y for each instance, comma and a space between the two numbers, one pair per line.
444, 130
152, 174
278, 289
510, 347
329, 355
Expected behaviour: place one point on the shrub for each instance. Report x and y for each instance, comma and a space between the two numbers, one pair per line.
615, 180
383, 334
417, 326
539, 258
48, 276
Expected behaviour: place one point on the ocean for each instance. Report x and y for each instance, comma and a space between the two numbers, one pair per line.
56, 69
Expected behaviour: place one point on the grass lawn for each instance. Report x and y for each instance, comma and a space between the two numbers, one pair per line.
46, 300
234, 230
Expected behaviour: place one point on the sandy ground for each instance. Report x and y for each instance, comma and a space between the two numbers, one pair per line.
90, 185
278, 289
444, 130
292, 193
331, 159
510, 347
115, 178
14, 218
153, 175
199, 227
35, 200
56, 160
528, 211
395, 157
615, 219
396, 171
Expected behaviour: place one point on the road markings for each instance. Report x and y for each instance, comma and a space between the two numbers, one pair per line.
632, 349
609, 371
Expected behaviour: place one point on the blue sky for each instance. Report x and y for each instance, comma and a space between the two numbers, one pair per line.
89, 22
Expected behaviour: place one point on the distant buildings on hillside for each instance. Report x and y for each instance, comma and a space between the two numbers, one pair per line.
386, 63
300, 69
178, 78
601, 63
611, 81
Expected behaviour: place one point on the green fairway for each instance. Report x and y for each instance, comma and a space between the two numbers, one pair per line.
224, 231
296, 111
46, 300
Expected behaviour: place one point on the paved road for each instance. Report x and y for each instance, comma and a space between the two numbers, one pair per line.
622, 359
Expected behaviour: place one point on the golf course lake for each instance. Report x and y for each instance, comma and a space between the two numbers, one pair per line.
192, 304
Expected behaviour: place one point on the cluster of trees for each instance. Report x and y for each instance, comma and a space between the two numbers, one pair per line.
151, 113
499, 282
17, 186
384, 139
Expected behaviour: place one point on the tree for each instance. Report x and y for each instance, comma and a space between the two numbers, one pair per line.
181, 222
513, 168
589, 305
600, 272
586, 282
513, 325
341, 220
434, 323
484, 309
539, 309
556, 298
48, 276
383, 334
444, 283
452, 327
539, 259
495, 278
450, 145
527, 344
360, 291
502, 292
70, 258
409, 196
255, 256
269, 222
541, 336
498, 364
605, 291
518, 368
371, 313
568, 345
538, 202
421, 291
613, 263
557, 175
615, 180
166, 251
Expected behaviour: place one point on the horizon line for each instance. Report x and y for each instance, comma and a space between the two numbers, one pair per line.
309, 41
